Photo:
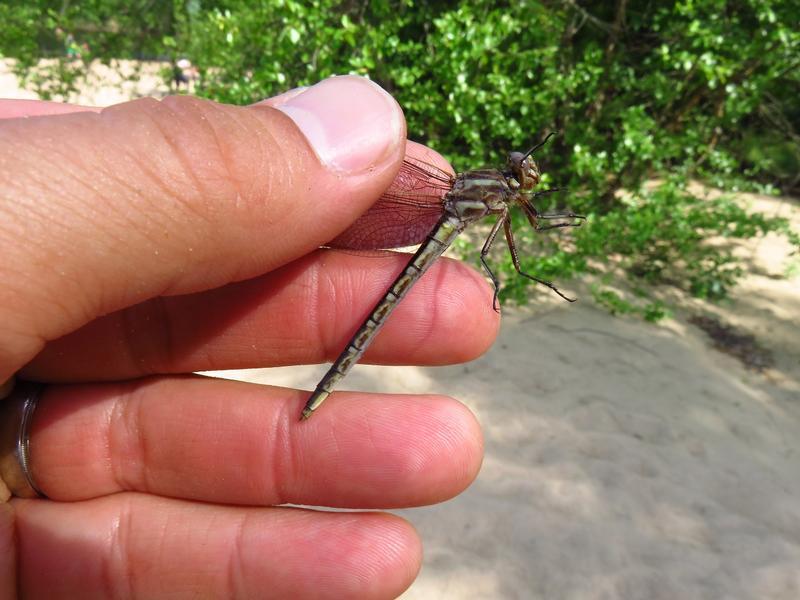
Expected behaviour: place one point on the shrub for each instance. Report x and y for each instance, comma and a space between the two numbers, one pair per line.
639, 90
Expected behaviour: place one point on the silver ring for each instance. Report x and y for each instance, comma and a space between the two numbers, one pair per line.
16, 415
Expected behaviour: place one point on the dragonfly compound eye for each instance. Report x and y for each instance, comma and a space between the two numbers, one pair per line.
518, 165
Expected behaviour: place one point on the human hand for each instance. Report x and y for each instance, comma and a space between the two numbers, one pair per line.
154, 239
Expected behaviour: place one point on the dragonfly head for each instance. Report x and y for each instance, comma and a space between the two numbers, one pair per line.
523, 169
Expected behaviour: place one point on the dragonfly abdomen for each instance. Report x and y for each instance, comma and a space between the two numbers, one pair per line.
438, 241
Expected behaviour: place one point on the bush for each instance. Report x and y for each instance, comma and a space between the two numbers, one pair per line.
639, 91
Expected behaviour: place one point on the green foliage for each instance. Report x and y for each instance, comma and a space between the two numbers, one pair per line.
661, 237
71, 35
640, 90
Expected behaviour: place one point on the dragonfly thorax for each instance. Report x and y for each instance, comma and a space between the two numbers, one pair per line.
478, 193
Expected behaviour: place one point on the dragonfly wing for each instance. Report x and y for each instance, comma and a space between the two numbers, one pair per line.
405, 214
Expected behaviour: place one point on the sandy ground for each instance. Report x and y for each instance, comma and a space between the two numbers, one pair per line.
105, 85
624, 460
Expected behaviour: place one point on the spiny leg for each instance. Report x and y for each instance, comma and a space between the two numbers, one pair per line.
558, 215
515, 259
547, 191
564, 215
487, 245
557, 226
534, 216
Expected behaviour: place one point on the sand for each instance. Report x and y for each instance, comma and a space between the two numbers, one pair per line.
624, 460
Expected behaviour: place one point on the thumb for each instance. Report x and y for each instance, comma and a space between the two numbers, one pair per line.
104, 210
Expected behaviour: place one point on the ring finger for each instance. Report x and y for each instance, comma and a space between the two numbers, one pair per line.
229, 442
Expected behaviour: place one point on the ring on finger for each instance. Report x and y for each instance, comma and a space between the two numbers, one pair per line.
16, 415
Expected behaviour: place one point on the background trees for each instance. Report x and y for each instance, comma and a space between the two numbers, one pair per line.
641, 92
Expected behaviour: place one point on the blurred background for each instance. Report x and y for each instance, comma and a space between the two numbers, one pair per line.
644, 442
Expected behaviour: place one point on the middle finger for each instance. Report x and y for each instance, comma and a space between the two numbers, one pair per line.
302, 313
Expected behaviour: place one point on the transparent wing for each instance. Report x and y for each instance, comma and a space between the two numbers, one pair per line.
405, 214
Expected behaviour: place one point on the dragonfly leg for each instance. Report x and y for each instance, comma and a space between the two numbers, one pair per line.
515, 259
485, 250
534, 216
548, 191
557, 226
549, 216
562, 215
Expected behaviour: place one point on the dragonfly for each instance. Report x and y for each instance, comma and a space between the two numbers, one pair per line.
433, 207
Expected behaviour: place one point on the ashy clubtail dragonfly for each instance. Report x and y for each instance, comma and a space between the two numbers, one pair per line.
421, 191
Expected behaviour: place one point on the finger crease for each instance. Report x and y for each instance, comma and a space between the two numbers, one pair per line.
117, 572
234, 575
282, 452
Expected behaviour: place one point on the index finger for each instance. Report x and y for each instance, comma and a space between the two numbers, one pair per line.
11, 108
150, 198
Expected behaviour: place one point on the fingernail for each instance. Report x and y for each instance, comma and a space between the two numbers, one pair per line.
283, 98
351, 122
